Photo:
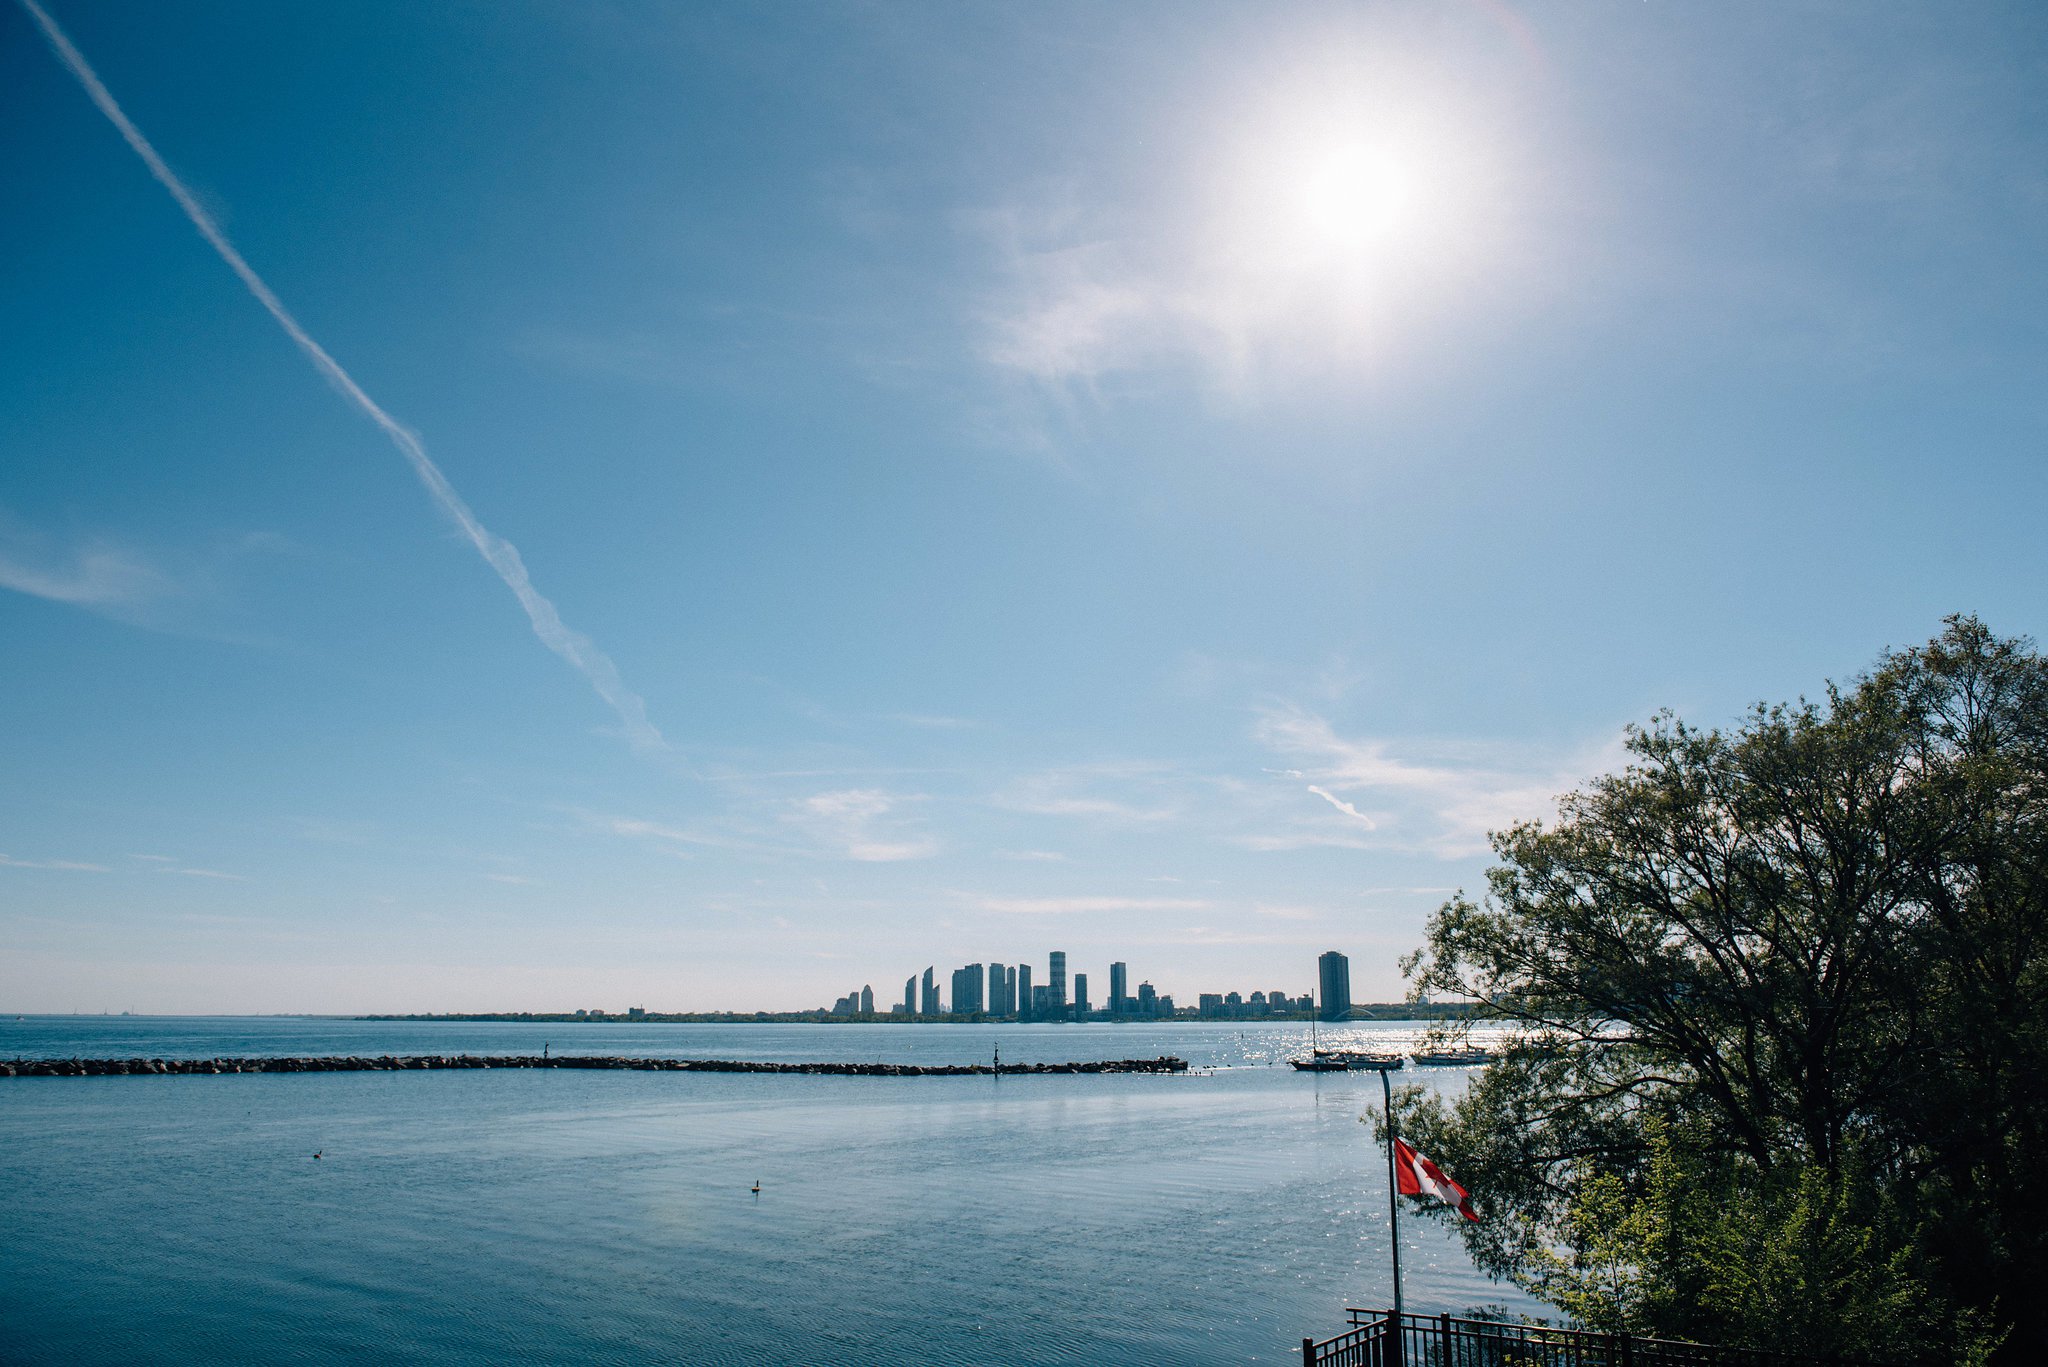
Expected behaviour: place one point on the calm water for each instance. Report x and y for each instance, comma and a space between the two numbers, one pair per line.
606, 1218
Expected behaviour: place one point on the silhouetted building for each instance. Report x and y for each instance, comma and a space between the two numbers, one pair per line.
1010, 991
1335, 975
910, 995
967, 990
928, 1003
1148, 1000
994, 999
1026, 993
1056, 980
867, 1001
1080, 995
1118, 986
1041, 1003
1210, 1005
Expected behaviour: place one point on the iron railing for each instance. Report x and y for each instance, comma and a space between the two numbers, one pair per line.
1380, 1338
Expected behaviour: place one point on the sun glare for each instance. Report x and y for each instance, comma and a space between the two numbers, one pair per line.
1353, 196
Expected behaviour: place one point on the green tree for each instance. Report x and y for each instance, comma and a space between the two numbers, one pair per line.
1812, 946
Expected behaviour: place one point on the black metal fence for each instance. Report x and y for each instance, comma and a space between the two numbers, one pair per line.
1379, 1338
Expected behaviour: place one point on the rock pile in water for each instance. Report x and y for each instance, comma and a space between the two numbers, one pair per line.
126, 1067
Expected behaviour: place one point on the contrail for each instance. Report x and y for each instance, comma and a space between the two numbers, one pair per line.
501, 554
1341, 805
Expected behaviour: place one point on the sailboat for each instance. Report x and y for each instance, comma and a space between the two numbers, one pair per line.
1319, 1060
1322, 1060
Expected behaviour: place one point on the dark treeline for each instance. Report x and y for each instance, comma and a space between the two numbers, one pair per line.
1786, 995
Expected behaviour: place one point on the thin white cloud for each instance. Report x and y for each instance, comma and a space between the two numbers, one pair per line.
1069, 906
859, 823
96, 576
500, 554
1300, 840
1287, 913
1033, 856
1077, 793
59, 865
510, 878
1446, 805
1341, 805
207, 873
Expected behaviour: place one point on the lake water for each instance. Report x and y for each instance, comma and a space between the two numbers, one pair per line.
605, 1217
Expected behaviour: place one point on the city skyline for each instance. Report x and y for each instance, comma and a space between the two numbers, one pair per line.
993, 989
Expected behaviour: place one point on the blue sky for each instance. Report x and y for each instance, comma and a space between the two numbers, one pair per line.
1157, 481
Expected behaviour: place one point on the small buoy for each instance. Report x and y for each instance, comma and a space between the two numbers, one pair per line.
318, 1152
757, 1188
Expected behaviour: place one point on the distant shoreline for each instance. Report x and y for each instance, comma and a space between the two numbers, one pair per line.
1376, 1011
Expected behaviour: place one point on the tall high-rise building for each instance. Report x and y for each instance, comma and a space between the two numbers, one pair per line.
1056, 979
1119, 983
1334, 973
928, 1003
1148, 1000
867, 1001
1041, 1003
1080, 995
1010, 990
1024, 993
967, 990
997, 978
910, 995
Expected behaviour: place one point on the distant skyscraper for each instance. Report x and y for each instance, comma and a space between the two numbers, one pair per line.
1119, 986
967, 990
1010, 991
1041, 1003
867, 1001
1024, 992
910, 995
928, 1004
1056, 979
1335, 975
1080, 994
995, 991
1148, 1000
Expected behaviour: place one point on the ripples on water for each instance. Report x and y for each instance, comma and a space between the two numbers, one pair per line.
571, 1217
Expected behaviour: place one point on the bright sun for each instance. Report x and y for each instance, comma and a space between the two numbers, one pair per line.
1352, 196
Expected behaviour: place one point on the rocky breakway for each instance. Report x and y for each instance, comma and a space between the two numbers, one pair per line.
387, 1063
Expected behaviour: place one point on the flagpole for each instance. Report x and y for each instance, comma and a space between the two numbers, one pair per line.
1393, 1196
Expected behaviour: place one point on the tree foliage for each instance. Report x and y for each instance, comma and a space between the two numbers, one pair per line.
1783, 1004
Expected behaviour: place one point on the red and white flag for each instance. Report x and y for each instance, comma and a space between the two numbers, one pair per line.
1415, 1175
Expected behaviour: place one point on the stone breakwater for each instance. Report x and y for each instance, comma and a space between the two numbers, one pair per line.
129, 1067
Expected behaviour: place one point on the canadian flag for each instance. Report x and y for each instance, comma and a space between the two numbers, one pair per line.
1415, 1175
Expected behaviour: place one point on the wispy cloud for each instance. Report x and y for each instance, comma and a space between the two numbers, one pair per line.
500, 554
207, 873
1286, 913
97, 575
1079, 793
1275, 842
858, 823
1445, 804
512, 879
1341, 805
1070, 906
60, 865
1033, 856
